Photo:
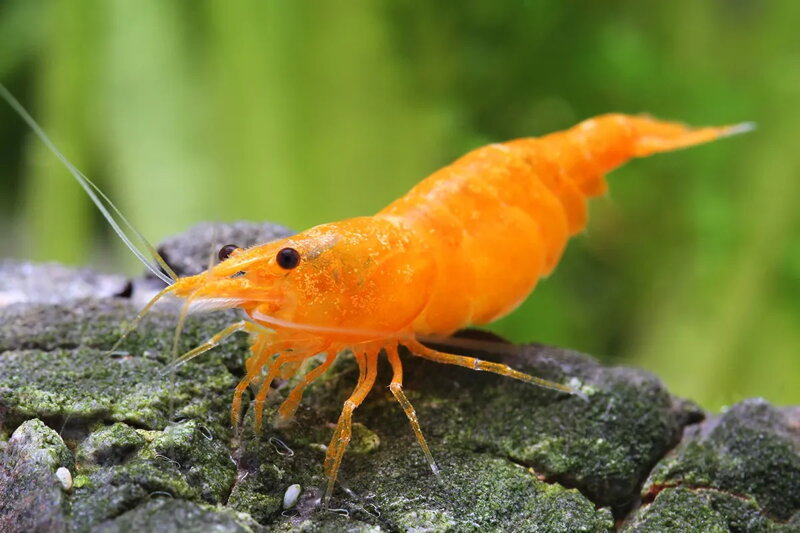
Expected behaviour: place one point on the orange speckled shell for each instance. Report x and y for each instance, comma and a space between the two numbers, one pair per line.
501, 215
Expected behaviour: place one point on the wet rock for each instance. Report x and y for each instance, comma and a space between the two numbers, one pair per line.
682, 509
134, 455
50, 283
109, 445
604, 446
202, 458
177, 516
156, 452
56, 365
182, 462
740, 469
31, 496
477, 491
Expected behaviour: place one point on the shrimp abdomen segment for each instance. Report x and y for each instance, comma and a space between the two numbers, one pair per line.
590, 149
498, 218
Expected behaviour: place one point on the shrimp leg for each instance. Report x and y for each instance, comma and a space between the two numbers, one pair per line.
274, 369
254, 364
262, 350
397, 389
343, 431
213, 342
478, 364
289, 405
263, 390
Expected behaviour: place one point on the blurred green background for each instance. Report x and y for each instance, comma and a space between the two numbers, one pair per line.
306, 112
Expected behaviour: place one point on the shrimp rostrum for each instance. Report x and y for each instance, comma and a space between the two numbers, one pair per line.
464, 247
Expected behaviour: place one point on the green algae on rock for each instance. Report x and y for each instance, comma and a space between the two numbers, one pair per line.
476, 492
391, 487
181, 462
31, 496
125, 461
167, 515
200, 457
681, 509
604, 447
56, 366
153, 453
109, 445
742, 467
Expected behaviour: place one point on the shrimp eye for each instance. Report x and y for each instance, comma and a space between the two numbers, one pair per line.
226, 251
288, 258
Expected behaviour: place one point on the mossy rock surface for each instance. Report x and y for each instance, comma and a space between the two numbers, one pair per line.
739, 471
151, 449
31, 496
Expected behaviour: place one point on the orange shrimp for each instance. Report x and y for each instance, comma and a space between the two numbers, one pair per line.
464, 247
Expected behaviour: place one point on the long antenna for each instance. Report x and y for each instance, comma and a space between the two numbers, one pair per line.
98, 197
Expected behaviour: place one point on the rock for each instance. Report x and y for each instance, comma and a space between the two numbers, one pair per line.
604, 446
178, 516
183, 462
200, 456
156, 452
681, 509
109, 445
56, 365
739, 471
51, 283
32, 497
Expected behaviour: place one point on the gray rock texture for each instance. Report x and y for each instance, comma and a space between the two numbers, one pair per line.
739, 471
51, 283
150, 448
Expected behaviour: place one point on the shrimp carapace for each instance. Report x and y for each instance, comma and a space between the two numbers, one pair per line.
464, 247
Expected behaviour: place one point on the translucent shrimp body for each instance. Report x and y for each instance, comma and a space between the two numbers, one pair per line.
465, 246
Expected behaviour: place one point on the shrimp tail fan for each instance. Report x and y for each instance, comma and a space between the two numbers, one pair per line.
654, 136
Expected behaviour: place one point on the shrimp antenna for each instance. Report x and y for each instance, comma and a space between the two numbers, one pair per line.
133, 325
98, 197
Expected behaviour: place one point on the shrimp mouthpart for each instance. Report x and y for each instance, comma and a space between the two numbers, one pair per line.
204, 293
202, 305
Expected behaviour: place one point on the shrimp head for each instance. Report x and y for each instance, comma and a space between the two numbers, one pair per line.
356, 280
